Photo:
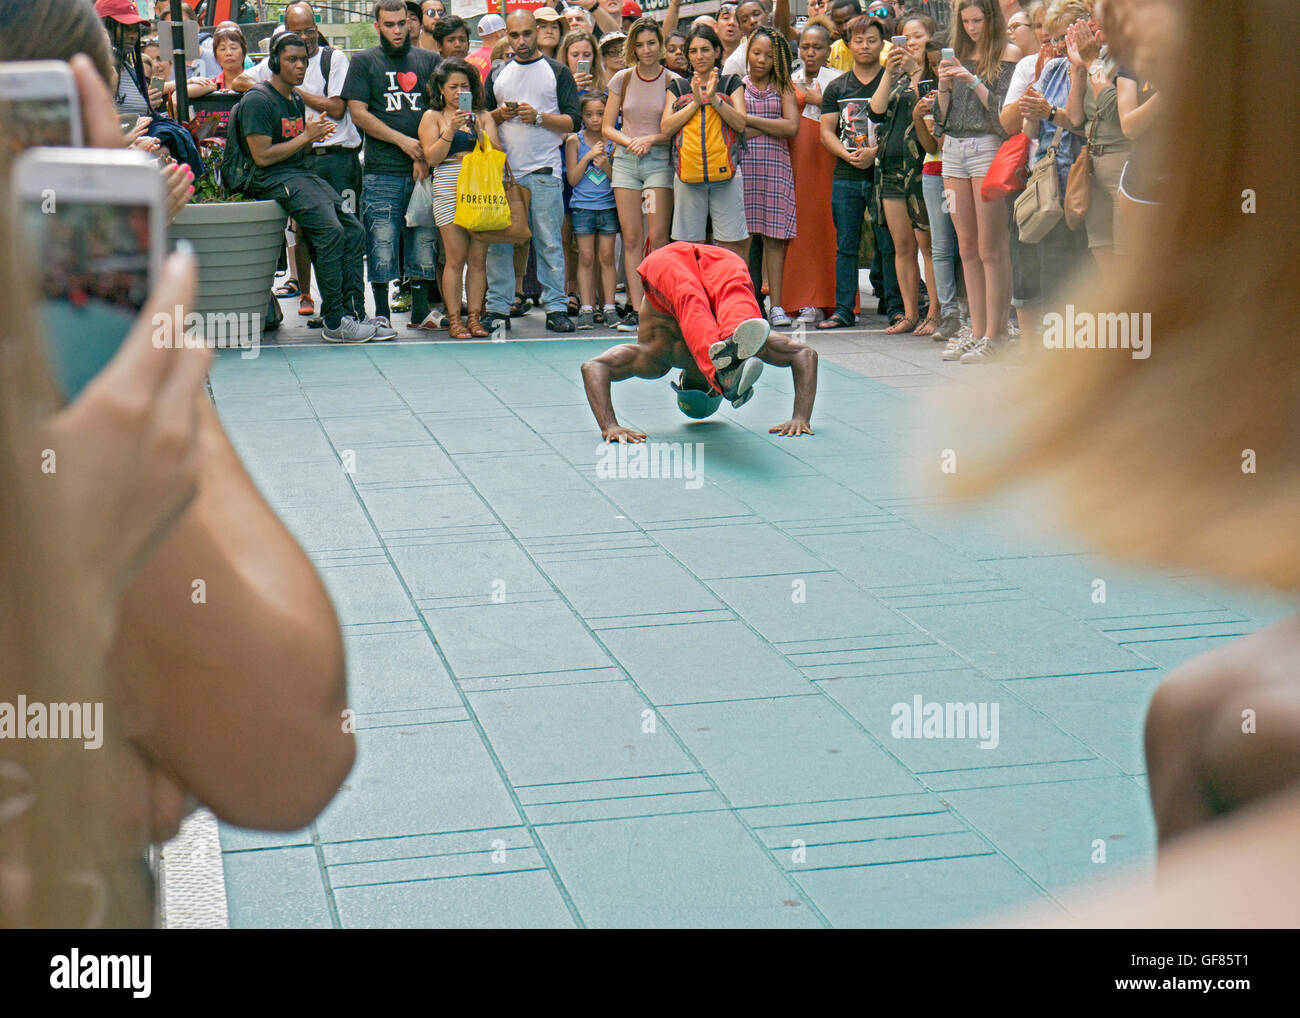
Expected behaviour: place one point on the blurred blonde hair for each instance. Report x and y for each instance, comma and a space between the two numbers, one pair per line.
71, 844
1149, 458
1063, 13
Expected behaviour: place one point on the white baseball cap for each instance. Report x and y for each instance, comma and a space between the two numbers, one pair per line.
490, 23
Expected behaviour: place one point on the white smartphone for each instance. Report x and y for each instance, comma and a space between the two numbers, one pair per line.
465, 102
38, 104
93, 225
584, 66
947, 53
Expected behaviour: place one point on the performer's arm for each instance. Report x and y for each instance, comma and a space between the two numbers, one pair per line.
802, 362
631, 360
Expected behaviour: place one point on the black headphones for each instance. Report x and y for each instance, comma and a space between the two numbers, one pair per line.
279, 43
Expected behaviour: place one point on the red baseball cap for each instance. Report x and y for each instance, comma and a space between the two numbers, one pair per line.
124, 12
631, 9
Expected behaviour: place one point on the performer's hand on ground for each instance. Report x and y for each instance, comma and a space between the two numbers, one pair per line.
792, 428
618, 433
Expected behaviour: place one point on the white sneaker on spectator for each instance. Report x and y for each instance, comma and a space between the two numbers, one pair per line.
983, 352
349, 331
778, 317
383, 330
958, 346
810, 316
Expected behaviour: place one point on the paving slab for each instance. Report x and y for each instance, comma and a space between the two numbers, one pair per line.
585, 697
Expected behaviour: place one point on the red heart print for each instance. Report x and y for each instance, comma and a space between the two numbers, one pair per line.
406, 79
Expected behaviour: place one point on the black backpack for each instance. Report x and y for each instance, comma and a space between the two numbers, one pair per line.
237, 166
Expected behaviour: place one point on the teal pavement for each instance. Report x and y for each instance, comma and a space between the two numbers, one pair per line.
728, 697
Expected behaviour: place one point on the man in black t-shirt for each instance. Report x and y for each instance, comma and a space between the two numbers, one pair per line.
847, 130
385, 93
272, 121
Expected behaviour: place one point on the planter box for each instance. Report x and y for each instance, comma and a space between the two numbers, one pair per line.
237, 245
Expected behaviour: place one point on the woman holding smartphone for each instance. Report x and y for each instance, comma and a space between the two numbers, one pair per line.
578, 54
643, 173
973, 79
450, 128
908, 70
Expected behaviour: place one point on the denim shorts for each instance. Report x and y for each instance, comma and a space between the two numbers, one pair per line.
966, 158
636, 173
589, 221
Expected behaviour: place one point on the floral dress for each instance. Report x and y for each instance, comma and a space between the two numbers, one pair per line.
767, 171
900, 157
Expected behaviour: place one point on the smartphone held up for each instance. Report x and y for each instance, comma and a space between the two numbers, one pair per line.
39, 105
93, 221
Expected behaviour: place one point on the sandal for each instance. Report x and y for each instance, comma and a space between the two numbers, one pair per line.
476, 328
519, 306
575, 305
435, 322
289, 288
833, 322
899, 325
306, 306
927, 327
456, 326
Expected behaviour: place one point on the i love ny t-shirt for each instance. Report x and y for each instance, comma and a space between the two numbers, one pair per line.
393, 91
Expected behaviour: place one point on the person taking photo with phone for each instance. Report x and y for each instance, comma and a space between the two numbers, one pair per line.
451, 127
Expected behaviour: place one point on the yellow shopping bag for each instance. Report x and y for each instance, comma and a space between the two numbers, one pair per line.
480, 189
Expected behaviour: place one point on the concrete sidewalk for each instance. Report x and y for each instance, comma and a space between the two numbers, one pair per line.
586, 700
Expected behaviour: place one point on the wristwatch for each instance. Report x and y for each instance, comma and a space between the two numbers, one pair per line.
1051, 114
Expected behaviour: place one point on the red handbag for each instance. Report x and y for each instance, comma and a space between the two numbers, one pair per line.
1010, 170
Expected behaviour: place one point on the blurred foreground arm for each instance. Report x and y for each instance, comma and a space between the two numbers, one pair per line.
240, 696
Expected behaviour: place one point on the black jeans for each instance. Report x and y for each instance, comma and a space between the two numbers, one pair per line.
337, 241
341, 169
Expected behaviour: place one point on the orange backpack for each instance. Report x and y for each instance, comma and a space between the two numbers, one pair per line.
703, 148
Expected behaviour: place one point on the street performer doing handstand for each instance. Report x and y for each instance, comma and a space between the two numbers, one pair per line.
699, 314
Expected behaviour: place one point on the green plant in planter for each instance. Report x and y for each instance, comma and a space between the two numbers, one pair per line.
209, 189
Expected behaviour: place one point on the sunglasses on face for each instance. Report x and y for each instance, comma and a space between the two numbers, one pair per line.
878, 12
1017, 24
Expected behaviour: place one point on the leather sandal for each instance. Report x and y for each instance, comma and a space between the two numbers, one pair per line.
456, 327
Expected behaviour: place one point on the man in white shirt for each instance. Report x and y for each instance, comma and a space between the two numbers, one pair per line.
535, 101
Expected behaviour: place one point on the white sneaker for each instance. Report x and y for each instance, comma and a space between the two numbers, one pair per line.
810, 316
958, 346
383, 330
739, 379
779, 318
983, 352
349, 331
745, 342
